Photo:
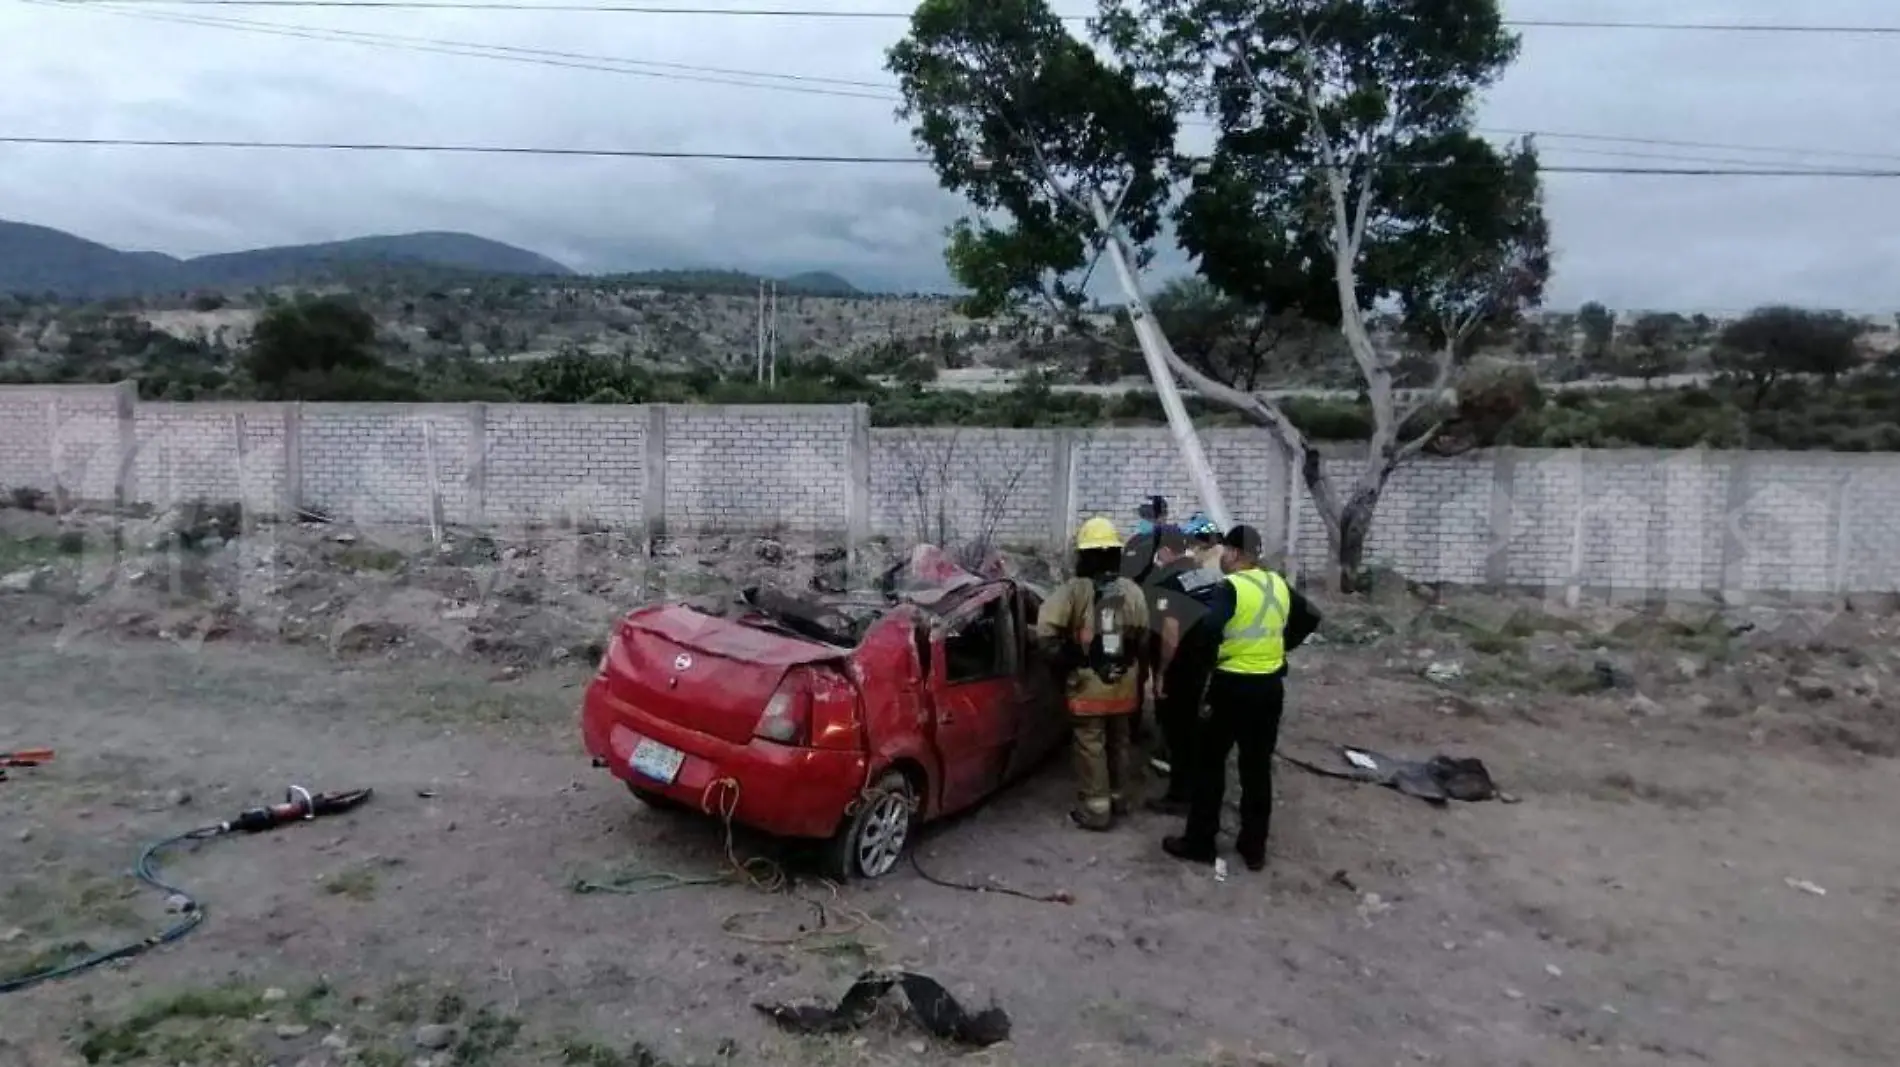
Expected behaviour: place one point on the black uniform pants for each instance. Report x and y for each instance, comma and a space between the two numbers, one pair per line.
1184, 686
1244, 713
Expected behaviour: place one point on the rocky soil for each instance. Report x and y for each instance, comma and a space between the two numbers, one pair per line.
1695, 867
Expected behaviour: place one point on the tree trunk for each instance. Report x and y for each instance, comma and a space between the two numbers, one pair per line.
1349, 547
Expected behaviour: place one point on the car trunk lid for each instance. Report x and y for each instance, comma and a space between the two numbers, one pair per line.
707, 674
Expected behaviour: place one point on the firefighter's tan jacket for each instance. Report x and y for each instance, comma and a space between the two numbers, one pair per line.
1070, 612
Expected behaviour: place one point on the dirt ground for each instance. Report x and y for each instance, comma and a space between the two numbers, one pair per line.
1696, 867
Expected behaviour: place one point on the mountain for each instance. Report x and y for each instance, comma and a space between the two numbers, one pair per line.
820, 283
37, 259
739, 283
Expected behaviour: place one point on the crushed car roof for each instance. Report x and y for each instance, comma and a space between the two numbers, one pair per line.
929, 580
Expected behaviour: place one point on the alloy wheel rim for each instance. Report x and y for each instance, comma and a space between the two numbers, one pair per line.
884, 835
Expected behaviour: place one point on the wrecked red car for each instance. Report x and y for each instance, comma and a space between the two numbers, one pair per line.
848, 719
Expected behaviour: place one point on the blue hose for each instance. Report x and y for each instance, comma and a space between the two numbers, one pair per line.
146, 871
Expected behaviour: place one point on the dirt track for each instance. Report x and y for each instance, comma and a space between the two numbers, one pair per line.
1635, 908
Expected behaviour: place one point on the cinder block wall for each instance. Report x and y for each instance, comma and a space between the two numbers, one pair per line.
759, 468
578, 460
211, 452
1625, 522
69, 437
964, 480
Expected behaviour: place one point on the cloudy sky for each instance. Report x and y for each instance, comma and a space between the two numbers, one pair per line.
1709, 244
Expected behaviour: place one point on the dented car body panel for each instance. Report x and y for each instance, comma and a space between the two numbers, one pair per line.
784, 713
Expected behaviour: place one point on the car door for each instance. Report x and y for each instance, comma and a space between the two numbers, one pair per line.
1041, 718
974, 698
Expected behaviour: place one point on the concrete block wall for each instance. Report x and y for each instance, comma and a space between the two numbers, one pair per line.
584, 461
215, 452
1621, 522
367, 462
65, 436
1433, 522
759, 467
966, 480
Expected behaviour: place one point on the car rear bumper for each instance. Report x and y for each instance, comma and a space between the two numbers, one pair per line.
784, 791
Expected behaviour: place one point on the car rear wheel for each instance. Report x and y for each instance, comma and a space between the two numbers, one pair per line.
875, 836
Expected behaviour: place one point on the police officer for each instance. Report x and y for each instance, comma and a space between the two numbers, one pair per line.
1182, 654
1260, 618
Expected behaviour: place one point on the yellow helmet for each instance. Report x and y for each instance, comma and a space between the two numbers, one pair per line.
1098, 532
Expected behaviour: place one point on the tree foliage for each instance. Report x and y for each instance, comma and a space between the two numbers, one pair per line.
1345, 175
1027, 123
1773, 343
1598, 324
1236, 343
318, 349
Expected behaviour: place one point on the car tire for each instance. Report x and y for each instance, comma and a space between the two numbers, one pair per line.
876, 834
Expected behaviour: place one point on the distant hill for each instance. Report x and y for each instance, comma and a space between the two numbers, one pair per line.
739, 283
37, 259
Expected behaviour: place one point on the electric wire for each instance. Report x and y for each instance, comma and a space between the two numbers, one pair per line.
817, 84
890, 14
817, 158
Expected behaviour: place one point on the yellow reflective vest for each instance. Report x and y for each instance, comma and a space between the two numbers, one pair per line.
1254, 640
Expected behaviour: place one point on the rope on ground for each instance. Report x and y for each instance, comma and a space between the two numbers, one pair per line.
760, 872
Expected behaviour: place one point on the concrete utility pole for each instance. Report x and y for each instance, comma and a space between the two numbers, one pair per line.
771, 363
761, 352
1154, 345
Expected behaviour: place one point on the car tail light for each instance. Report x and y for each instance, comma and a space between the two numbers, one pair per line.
787, 718
812, 707
835, 723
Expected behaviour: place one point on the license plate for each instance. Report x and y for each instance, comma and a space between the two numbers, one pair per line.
657, 761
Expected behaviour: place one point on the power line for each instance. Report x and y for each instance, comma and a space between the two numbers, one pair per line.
770, 157
799, 82
507, 53
1718, 146
846, 13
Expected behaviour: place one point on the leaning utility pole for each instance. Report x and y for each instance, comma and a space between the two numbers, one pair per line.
1155, 349
761, 351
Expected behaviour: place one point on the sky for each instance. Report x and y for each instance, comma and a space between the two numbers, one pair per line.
1633, 242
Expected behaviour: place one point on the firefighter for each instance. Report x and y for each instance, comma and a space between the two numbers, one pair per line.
1182, 654
1260, 618
1094, 627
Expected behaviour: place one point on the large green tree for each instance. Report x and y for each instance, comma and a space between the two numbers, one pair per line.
1344, 176
315, 348
1770, 344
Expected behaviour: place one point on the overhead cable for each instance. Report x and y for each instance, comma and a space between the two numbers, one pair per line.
862, 13
815, 84
774, 157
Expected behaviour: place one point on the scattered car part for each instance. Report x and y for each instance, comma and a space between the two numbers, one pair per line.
25, 757
930, 1004
1436, 780
299, 804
